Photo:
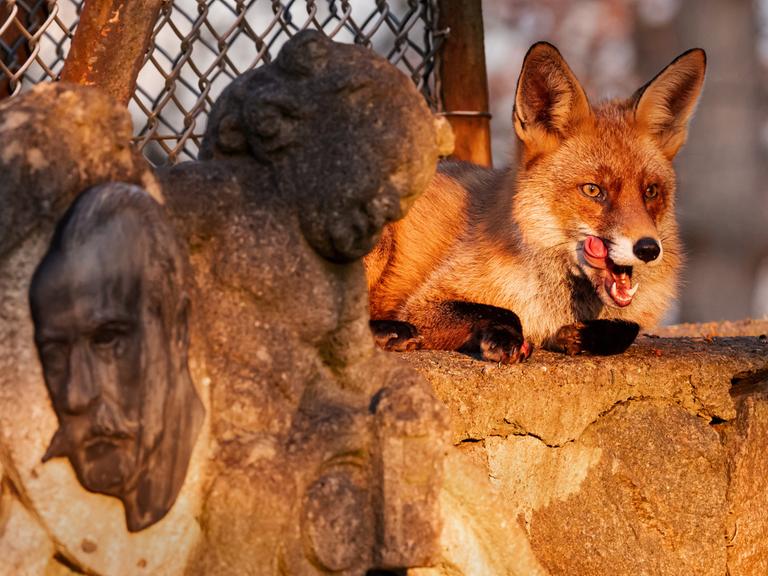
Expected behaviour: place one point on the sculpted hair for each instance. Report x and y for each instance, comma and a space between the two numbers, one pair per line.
258, 113
166, 266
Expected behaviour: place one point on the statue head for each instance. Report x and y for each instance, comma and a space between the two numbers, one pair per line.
347, 129
110, 307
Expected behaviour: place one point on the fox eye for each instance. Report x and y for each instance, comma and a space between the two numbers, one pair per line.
651, 191
591, 190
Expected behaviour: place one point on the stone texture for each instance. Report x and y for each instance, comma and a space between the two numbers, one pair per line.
24, 546
320, 454
82, 139
652, 500
555, 397
59, 139
643, 463
479, 535
746, 523
746, 327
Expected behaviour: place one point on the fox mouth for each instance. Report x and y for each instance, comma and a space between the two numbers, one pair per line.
617, 279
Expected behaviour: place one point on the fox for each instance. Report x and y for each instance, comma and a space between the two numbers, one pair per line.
573, 249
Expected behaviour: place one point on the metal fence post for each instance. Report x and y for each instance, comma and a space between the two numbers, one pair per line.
464, 80
110, 45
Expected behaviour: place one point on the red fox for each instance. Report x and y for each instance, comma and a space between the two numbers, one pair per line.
578, 246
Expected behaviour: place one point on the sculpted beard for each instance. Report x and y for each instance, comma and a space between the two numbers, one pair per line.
104, 449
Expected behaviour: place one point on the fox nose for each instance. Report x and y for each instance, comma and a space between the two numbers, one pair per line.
647, 249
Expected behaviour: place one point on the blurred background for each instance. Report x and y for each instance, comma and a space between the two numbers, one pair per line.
613, 46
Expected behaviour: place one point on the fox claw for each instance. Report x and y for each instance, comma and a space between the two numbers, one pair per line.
504, 345
395, 335
568, 339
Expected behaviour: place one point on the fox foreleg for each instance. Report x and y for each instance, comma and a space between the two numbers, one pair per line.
596, 337
491, 332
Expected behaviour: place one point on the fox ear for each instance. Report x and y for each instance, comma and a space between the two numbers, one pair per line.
664, 106
549, 101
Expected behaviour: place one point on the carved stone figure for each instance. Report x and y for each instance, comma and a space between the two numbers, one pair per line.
110, 307
330, 448
319, 453
55, 142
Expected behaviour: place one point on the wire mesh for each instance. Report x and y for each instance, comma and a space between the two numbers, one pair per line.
199, 46
34, 40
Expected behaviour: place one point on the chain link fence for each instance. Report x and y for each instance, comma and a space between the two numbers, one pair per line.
199, 46
34, 39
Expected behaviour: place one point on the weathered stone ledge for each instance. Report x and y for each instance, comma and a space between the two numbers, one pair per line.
554, 397
649, 462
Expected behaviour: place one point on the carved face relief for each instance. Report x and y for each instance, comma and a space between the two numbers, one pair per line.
92, 335
112, 344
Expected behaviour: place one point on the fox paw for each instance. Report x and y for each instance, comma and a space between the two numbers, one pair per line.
504, 345
568, 340
598, 337
395, 336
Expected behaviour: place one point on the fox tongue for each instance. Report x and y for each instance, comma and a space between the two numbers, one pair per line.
595, 247
595, 252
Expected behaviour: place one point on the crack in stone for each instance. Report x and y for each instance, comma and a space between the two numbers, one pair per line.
742, 383
749, 382
471, 440
540, 438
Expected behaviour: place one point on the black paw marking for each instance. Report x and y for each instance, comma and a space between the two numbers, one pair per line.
596, 337
395, 336
504, 344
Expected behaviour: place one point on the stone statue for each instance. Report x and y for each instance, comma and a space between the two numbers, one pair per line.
110, 307
316, 452
332, 449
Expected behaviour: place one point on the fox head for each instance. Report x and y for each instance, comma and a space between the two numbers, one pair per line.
595, 184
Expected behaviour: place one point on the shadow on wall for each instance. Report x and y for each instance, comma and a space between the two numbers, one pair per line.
613, 46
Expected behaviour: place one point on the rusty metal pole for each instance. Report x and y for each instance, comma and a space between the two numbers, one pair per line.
464, 80
110, 45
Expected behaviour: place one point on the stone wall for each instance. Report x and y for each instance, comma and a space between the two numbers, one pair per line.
651, 462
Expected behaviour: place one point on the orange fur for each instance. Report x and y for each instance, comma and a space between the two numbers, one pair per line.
514, 238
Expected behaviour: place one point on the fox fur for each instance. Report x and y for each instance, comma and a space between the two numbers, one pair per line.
482, 243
